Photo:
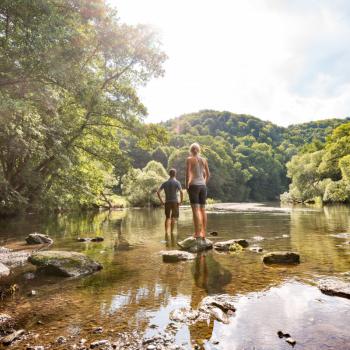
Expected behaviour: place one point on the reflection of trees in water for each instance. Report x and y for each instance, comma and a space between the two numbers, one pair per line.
209, 278
311, 236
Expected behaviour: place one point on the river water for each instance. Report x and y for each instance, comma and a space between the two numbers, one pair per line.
136, 289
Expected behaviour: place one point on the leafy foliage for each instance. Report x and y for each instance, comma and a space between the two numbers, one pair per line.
323, 173
139, 186
68, 78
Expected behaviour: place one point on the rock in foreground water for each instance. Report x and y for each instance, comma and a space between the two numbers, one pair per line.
14, 259
281, 258
67, 264
194, 245
176, 255
335, 286
219, 307
226, 245
38, 238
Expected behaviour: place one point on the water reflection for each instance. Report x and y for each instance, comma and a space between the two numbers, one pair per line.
136, 289
209, 278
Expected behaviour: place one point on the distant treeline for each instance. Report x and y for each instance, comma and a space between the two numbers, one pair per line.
248, 157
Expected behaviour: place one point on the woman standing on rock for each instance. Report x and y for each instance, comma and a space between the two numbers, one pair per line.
197, 176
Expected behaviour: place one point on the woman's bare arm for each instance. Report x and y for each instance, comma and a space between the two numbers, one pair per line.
207, 172
187, 173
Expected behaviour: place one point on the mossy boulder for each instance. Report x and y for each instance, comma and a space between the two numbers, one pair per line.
195, 245
235, 248
226, 245
281, 258
66, 264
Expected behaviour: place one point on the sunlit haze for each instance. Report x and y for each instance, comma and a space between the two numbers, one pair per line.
286, 61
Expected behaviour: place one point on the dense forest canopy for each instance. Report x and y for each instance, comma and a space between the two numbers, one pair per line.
72, 131
322, 172
69, 71
247, 156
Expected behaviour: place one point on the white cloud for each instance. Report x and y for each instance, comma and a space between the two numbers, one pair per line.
281, 60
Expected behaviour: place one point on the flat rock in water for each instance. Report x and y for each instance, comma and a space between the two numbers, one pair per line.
194, 245
220, 307
225, 245
38, 238
176, 255
224, 302
4, 270
62, 263
281, 258
13, 259
335, 286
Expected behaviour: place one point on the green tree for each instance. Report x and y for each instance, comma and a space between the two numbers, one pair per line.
140, 186
68, 78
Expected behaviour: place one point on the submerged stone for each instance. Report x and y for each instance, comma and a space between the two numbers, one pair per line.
226, 245
195, 245
281, 258
38, 238
62, 263
176, 255
335, 286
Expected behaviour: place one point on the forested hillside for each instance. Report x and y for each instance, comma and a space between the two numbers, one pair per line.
247, 156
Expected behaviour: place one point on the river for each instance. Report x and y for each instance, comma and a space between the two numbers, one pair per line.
137, 291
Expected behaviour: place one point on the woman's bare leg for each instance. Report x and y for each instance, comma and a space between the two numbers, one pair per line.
204, 220
196, 220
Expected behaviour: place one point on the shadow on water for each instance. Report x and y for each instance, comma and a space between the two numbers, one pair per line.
135, 289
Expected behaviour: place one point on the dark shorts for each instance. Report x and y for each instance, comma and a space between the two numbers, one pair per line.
172, 210
197, 194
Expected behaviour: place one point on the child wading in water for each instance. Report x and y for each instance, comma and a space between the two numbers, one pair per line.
171, 187
197, 176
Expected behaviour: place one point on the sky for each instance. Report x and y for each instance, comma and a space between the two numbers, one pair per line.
287, 61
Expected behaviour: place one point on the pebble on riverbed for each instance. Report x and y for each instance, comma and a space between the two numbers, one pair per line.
97, 330
98, 343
